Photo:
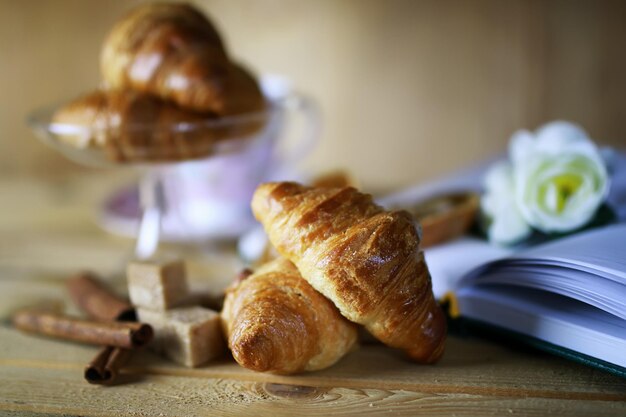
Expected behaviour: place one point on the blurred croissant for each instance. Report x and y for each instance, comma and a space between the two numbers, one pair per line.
364, 259
276, 322
174, 52
132, 126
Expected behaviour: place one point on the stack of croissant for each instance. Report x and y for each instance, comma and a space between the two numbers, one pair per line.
344, 261
167, 76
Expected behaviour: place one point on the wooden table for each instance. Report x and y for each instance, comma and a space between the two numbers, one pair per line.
48, 232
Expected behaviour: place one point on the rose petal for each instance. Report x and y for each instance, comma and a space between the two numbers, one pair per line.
577, 179
557, 137
506, 224
499, 177
521, 146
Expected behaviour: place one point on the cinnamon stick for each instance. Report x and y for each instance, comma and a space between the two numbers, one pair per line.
103, 369
94, 371
118, 334
97, 300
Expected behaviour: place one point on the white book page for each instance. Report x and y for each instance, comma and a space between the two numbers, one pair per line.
604, 294
450, 262
589, 267
601, 250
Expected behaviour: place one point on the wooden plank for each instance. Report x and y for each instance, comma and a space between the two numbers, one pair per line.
57, 391
469, 366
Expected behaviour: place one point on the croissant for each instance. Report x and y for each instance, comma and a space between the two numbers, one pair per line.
364, 259
132, 126
174, 52
276, 322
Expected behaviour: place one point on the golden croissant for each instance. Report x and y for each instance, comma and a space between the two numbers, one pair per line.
363, 258
174, 52
132, 126
276, 322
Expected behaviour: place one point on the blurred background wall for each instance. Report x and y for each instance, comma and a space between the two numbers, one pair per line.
409, 89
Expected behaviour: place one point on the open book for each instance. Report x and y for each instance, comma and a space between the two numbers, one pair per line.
569, 293
566, 296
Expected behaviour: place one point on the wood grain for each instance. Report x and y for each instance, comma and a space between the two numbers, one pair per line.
469, 366
176, 396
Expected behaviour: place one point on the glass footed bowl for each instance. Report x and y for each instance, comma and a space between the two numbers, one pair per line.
159, 151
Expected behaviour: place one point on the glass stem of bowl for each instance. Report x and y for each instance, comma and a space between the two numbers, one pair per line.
152, 201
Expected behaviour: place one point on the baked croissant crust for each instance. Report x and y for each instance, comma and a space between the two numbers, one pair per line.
174, 52
276, 322
366, 260
132, 126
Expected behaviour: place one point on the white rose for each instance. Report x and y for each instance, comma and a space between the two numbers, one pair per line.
505, 222
560, 177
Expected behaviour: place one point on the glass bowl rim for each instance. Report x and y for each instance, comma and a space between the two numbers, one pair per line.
41, 119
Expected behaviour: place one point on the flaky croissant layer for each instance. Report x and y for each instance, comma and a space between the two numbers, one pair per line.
364, 259
276, 322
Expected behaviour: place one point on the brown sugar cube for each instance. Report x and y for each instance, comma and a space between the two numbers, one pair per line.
190, 336
157, 286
